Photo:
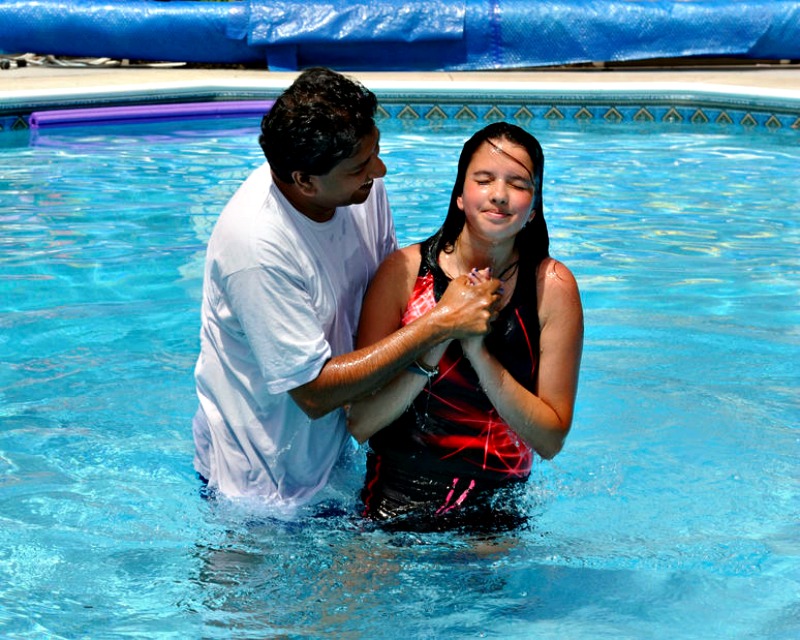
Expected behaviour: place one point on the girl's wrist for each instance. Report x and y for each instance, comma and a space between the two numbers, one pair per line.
472, 348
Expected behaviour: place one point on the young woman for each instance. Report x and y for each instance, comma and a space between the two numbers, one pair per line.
451, 438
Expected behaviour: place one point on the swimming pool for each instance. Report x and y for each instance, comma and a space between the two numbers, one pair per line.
672, 512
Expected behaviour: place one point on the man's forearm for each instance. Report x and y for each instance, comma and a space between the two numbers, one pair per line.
345, 378
464, 310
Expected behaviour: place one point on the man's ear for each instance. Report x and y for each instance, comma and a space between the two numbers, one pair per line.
304, 182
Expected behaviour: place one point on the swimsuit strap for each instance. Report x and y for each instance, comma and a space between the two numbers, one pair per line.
429, 263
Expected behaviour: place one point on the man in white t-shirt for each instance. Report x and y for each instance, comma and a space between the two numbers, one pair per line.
287, 266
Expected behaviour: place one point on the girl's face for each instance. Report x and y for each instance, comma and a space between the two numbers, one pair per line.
497, 199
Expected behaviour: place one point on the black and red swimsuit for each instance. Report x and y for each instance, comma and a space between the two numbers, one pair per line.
450, 452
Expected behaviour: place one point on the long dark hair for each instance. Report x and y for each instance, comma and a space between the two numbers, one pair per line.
533, 240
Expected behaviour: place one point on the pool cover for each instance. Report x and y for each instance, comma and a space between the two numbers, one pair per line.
398, 35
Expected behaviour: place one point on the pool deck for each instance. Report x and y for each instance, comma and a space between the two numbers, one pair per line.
42, 85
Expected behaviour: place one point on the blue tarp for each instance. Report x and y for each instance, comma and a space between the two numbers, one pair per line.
389, 35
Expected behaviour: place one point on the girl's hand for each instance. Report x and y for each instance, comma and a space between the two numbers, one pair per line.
472, 346
476, 276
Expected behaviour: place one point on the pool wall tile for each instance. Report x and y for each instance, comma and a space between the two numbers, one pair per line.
620, 111
744, 112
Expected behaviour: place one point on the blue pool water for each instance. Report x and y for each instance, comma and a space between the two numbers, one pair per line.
671, 513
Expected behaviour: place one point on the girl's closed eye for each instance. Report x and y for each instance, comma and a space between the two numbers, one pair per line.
522, 185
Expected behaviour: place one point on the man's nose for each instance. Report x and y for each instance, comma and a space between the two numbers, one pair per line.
377, 168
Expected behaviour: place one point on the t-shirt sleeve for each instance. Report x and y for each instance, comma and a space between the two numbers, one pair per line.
387, 239
278, 319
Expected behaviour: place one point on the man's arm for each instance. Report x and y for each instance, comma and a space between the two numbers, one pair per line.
381, 317
464, 310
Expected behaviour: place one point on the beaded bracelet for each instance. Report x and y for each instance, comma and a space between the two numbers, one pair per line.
423, 369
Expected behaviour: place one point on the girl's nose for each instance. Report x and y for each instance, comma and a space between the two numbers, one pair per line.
499, 191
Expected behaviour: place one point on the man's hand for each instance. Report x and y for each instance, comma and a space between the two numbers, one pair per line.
467, 306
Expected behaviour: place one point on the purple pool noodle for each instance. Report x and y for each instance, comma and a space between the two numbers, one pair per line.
148, 113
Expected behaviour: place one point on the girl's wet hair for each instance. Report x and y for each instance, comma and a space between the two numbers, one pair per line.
316, 123
533, 241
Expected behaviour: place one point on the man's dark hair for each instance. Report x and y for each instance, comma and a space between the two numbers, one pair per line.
316, 123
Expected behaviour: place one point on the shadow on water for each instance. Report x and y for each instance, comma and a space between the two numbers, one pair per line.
337, 577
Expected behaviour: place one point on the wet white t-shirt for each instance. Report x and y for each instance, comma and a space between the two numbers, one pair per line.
281, 295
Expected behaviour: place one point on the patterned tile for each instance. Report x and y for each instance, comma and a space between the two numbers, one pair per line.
13, 123
625, 109
734, 111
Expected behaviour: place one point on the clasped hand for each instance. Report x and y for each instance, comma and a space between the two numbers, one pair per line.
471, 303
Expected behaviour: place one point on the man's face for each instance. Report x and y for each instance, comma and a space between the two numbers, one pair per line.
350, 181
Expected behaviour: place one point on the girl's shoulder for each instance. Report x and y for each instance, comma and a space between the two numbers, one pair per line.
395, 278
388, 295
557, 288
551, 269
403, 262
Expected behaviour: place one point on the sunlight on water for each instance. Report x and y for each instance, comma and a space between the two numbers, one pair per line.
672, 504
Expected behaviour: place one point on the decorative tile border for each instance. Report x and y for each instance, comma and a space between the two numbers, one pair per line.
13, 123
742, 112
605, 112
